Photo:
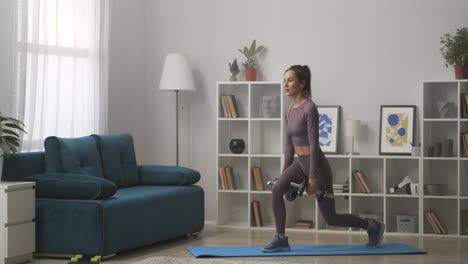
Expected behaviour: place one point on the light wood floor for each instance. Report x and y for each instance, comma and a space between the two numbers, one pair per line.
440, 250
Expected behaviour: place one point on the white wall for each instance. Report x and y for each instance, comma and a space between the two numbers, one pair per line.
362, 54
127, 72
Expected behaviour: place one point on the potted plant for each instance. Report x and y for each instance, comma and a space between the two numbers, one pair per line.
249, 64
9, 137
455, 51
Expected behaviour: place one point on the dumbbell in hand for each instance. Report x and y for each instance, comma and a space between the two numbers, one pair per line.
295, 190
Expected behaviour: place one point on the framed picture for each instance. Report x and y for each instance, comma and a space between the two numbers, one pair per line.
396, 129
329, 121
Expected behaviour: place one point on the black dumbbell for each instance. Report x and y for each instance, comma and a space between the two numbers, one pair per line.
294, 191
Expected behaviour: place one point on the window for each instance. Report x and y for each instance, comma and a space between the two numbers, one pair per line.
62, 68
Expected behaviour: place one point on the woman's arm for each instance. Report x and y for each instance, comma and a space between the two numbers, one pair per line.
289, 151
312, 120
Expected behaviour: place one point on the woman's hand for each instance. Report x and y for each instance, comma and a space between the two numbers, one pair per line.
312, 186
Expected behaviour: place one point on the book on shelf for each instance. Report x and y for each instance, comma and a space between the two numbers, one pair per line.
257, 214
230, 177
225, 106
226, 176
258, 179
222, 178
433, 219
465, 220
464, 105
464, 138
358, 175
341, 187
304, 224
229, 106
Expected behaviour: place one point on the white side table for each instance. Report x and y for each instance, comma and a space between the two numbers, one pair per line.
17, 226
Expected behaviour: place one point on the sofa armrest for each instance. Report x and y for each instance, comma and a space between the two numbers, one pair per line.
167, 175
72, 186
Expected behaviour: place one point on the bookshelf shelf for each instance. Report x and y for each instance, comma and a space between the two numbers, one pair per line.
264, 138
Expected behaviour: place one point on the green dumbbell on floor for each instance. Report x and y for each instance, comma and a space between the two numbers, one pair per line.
76, 258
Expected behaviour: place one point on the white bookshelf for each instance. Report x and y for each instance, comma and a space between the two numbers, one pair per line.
450, 170
264, 148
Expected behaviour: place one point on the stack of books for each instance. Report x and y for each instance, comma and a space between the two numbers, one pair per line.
257, 214
464, 214
226, 176
258, 179
341, 187
358, 175
304, 224
437, 226
229, 106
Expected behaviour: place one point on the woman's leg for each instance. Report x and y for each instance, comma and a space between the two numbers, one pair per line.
374, 228
292, 174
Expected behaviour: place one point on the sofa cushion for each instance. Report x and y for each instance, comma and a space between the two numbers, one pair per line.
72, 186
167, 175
73, 155
118, 159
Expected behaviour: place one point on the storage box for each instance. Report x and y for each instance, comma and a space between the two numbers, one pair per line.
407, 223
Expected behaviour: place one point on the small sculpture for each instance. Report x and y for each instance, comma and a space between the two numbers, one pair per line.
234, 68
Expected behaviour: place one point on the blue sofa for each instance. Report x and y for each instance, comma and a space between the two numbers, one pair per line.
93, 199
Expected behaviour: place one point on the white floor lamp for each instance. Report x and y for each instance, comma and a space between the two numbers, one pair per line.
176, 76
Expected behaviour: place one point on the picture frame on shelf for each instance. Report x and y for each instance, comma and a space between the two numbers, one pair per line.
329, 127
397, 129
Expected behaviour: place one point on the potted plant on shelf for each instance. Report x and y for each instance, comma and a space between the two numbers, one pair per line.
9, 137
249, 64
455, 51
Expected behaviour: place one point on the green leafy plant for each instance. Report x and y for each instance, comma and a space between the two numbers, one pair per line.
9, 136
455, 47
250, 54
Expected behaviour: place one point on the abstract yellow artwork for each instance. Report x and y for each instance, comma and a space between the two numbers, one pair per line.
396, 131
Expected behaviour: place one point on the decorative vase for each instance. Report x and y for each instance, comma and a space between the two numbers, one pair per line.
270, 106
460, 72
237, 146
233, 78
250, 75
416, 151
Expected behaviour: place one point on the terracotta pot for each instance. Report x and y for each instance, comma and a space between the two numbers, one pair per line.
250, 75
460, 72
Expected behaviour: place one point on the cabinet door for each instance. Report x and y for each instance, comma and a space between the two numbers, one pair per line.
20, 239
20, 206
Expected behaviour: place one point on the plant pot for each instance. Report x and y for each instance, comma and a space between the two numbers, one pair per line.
250, 75
460, 72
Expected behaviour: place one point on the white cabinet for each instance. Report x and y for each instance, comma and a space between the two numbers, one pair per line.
17, 213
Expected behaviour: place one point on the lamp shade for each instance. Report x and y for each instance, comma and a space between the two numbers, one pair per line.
176, 74
352, 127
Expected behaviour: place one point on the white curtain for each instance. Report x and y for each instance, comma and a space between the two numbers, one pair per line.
62, 68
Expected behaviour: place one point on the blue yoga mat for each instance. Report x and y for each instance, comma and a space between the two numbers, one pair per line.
325, 250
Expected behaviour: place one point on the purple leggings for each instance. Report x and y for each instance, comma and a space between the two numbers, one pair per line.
295, 173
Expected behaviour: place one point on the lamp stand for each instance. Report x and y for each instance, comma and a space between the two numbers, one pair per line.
352, 147
177, 127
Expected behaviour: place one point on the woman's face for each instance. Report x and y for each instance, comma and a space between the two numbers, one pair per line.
292, 86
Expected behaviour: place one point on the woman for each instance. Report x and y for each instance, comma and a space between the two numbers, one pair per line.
303, 139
